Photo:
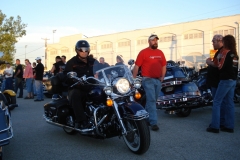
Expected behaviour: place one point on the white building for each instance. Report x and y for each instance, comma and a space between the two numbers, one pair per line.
188, 41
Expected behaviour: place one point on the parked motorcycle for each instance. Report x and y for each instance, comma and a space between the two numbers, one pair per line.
178, 94
6, 131
110, 108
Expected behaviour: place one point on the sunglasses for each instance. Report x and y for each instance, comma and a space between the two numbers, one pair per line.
83, 49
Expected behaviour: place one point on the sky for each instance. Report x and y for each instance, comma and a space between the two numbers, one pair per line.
99, 17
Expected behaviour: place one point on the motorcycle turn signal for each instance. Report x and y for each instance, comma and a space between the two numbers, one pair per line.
137, 95
109, 102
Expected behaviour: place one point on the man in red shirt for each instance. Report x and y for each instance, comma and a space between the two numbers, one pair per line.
153, 65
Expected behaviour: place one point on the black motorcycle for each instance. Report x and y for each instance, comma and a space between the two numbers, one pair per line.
110, 108
179, 95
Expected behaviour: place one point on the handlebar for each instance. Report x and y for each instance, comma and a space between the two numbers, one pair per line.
84, 79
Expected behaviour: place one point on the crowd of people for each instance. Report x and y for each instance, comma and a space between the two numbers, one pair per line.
222, 75
32, 75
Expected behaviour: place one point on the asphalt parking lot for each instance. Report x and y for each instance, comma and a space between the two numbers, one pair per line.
178, 138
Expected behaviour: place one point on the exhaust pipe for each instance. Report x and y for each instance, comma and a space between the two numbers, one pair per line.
48, 120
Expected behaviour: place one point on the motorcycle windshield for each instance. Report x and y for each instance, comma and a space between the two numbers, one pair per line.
109, 74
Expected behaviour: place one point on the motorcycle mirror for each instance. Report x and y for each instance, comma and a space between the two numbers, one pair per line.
1, 54
71, 74
131, 62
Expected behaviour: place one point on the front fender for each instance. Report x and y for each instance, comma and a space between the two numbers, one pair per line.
10, 92
134, 111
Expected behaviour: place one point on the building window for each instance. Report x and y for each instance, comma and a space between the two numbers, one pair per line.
190, 36
106, 46
124, 44
167, 38
142, 41
224, 32
53, 52
193, 35
93, 47
66, 50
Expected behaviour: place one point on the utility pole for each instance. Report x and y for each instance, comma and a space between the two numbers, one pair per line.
45, 39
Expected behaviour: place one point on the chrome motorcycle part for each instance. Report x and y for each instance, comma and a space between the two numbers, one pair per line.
108, 90
72, 74
137, 83
122, 85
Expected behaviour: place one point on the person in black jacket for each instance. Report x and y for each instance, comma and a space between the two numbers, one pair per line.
39, 69
213, 72
57, 66
19, 78
82, 64
227, 63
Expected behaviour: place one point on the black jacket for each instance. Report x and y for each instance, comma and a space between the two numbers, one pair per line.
213, 73
80, 67
39, 69
229, 70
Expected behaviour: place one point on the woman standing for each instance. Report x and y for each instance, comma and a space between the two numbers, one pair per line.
227, 63
28, 75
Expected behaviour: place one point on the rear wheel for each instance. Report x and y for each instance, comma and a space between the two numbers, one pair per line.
183, 112
137, 138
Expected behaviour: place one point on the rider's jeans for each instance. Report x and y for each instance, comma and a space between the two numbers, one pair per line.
152, 88
222, 112
39, 89
224, 97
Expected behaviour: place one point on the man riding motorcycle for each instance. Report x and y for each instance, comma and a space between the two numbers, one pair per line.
82, 64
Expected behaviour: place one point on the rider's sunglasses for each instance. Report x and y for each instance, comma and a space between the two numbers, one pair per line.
83, 49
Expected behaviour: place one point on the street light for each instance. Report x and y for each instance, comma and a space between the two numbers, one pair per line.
25, 51
53, 34
238, 36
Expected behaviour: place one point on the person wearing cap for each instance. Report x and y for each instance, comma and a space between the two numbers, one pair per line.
56, 66
8, 72
153, 67
39, 69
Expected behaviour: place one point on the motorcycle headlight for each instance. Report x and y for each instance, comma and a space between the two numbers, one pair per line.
137, 83
108, 90
123, 86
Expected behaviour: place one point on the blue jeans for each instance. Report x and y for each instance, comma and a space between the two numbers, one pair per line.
18, 84
29, 82
152, 88
39, 89
222, 112
224, 98
3, 85
9, 83
34, 88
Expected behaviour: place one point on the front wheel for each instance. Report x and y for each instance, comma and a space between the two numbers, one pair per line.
137, 138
